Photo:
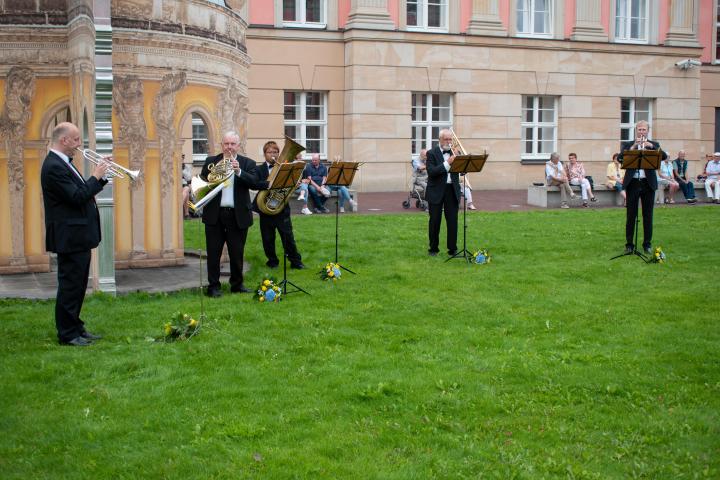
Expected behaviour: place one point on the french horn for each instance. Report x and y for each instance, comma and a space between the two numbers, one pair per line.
272, 202
202, 191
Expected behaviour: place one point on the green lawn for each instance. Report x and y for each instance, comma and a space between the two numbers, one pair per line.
550, 362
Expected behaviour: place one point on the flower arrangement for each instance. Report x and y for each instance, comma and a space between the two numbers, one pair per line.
268, 291
331, 271
180, 327
482, 256
658, 256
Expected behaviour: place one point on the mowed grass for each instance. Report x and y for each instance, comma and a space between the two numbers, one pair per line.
550, 362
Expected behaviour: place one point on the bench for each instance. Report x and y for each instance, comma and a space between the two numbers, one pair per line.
549, 197
297, 205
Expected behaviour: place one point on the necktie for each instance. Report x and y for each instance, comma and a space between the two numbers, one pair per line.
447, 151
70, 159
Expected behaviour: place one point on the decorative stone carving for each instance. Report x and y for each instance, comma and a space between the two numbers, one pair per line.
232, 111
163, 114
131, 8
19, 90
128, 104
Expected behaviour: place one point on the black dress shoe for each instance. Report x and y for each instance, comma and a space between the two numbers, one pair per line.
628, 250
240, 289
452, 253
90, 336
297, 266
272, 264
76, 342
433, 254
647, 251
213, 293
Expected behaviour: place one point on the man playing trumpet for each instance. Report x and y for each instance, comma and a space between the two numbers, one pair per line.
72, 228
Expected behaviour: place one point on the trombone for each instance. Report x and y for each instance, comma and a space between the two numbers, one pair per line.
114, 171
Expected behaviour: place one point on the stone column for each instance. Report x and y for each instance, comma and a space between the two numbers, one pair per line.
372, 14
588, 26
485, 19
682, 24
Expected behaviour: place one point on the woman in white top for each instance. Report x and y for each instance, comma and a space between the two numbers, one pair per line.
666, 179
712, 170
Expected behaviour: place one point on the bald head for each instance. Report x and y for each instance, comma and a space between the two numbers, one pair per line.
65, 138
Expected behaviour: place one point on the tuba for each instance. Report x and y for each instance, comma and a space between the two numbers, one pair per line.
456, 146
272, 202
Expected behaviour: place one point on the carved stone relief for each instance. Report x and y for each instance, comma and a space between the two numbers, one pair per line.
19, 90
132, 8
232, 111
163, 114
128, 104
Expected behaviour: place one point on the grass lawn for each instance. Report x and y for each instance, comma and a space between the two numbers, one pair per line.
550, 362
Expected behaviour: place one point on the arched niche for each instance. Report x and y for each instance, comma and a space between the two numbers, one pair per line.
197, 132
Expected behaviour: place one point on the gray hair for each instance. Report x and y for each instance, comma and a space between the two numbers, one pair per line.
554, 155
231, 133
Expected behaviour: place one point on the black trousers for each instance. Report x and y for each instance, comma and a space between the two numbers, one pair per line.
226, 231
282, 223
450, 206
639, 189
72, 279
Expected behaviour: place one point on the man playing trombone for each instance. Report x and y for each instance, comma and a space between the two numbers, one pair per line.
443, 193
228, 215
72, 228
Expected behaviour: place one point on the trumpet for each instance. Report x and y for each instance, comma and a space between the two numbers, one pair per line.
114, 171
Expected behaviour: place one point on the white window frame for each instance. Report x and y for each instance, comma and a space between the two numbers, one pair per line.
423, 6
301, 123
633, 117
429, 140
535, 125
628, 22
531, 14
301, 12
197, 119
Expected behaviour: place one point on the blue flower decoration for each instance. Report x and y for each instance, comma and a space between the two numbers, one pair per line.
270, 295
337, 272
480, 258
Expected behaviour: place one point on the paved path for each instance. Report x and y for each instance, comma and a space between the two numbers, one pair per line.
44, 285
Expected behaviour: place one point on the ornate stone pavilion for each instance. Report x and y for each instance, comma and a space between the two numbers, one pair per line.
131, 74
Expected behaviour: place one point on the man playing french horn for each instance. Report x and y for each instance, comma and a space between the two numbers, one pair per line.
280, 222
228, 215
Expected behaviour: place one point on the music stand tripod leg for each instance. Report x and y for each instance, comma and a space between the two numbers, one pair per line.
285, 282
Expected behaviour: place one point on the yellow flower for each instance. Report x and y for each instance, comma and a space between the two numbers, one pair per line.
193, 323
168, 328
266, 283
262, 299
263, 288
331, 273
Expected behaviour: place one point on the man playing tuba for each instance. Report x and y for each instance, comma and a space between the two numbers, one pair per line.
280, 222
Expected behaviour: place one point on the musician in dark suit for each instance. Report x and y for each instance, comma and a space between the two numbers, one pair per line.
442, 194
72, 229
228, 216
640, 184
280, 222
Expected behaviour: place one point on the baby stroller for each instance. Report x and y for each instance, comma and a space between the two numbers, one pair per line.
418, 185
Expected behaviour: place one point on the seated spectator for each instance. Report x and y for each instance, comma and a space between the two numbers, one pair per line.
343, 195
316, 174
666, 180
302, 189
615, 175
186, 189
555, 176
712, 173
576, 172
419, 175
468, 192
680, 176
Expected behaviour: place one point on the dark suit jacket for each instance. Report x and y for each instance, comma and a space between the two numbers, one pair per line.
262, 184
437, 177
241, 192
651, 175
72, 220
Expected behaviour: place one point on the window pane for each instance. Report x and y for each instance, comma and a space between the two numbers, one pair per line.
313, 11
291, 131
289, 13
434, 14
291, 106
412, 14
523, 15
312, 146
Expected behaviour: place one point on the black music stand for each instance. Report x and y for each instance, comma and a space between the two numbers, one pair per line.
646, 160
464, 164
340, 174
286, 175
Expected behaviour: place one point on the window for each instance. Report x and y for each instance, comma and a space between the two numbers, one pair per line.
632, 110
534, 17
305, 13
631, 21
200, 146
539, 127
427, 14
306, 120
717, 35
431, 112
